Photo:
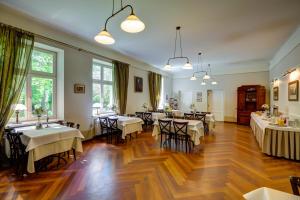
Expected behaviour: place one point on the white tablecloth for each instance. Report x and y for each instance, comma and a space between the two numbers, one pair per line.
129, 125
265, 193
157, 115
195, 129
275, 140
48, 141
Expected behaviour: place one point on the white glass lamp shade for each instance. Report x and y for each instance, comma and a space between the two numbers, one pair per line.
97, 105
20, 107
168, 67
132, 24
203, 83
214, 83
104, 37
187, 66
206, 77
193, 78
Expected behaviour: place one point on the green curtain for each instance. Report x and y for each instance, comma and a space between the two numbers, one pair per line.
121, 74
15, 55
154, 89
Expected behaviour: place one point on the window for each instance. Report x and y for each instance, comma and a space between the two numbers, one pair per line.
102, 87
40, 87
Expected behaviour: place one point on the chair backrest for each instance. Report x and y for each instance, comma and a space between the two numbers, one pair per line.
180, 127
71, 124
164, 125
17, 148
103, 122
148, 116
139, 115
200, 117
160, 110
77, 126
189, 116
113, 123
61, 122
295, 183
169, 114
206, 112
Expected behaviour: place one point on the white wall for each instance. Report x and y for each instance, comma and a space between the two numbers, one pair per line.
78, 66
287, 57
228, 83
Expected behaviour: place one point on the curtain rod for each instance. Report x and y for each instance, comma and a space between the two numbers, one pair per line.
68, 45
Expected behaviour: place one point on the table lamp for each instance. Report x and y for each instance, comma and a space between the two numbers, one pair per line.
18, 108
97, 106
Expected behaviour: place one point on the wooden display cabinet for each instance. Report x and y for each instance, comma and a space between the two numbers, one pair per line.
250, 98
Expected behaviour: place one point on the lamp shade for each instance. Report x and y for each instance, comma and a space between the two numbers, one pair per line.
203, 83
168, 67
214, 83
132, 24
20, 107
187, 66
97, 105
206, 76
193, 78
104, 37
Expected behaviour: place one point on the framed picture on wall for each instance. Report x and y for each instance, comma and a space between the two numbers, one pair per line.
138, 84
275, 93
79, 88
293, 90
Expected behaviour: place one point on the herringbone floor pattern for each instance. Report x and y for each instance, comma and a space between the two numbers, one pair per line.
227, 165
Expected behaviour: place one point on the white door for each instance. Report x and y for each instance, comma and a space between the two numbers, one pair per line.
215, 103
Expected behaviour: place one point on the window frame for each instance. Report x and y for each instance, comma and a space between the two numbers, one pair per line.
38, 74
102, 82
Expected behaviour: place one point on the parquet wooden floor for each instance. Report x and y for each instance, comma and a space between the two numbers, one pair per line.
228, 164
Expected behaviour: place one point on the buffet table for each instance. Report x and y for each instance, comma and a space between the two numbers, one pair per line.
276, 140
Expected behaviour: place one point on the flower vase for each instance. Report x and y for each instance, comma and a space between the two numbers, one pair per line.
39, 123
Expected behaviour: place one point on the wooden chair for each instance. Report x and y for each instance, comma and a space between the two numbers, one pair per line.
169, 114
160, 110
295, 183
202, 118
114, 131
140, 115
165, 129
70, 124
18, 155
148, 119
181, 134
188, 116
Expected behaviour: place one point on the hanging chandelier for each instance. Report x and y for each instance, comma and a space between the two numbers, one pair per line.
187, 65
132, 24
207, 73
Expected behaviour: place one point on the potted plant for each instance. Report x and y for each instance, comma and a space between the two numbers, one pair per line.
145, 106
38, 111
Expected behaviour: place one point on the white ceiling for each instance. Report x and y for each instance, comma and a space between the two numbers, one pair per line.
230, 32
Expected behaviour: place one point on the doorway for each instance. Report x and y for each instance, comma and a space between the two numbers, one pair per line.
215, 103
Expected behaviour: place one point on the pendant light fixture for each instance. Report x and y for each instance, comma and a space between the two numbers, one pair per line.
132, 24
187, 65
207, 73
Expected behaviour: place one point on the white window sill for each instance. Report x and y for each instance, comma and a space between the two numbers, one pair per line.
28, 123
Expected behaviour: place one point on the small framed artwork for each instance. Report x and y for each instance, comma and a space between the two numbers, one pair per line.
138, 84
199, 97
79, 88
275, 93
293, 90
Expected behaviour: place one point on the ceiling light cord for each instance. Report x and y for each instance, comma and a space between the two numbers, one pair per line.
123, 8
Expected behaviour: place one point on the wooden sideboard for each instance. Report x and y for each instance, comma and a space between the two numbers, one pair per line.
250, 98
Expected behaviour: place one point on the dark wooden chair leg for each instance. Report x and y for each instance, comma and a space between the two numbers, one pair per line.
74, 153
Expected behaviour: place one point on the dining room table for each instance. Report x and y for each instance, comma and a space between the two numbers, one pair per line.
129, 125
158, 115
265, 193
49, 140
195, 129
